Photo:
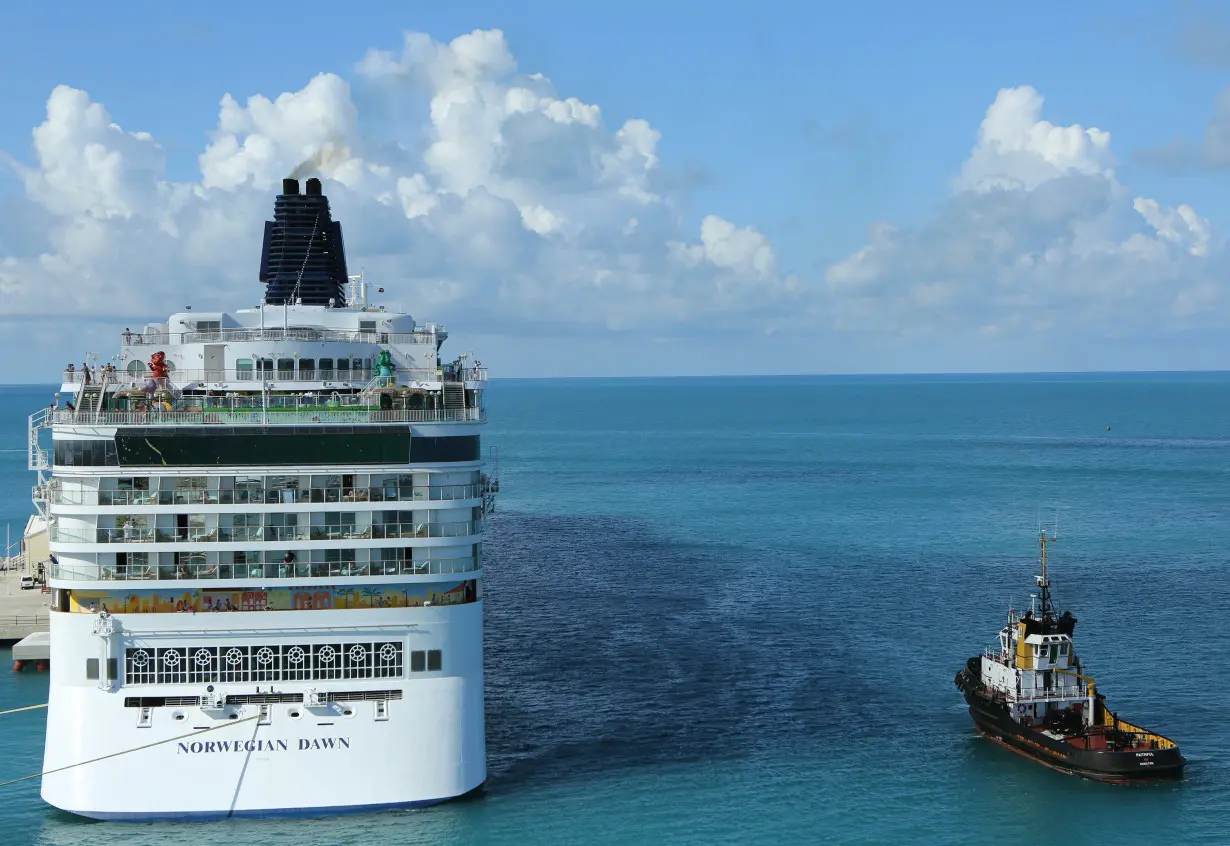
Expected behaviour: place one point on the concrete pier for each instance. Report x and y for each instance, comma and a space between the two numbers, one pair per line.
33, 651
22, 612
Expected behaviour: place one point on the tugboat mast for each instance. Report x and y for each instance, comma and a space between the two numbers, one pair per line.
1043, 582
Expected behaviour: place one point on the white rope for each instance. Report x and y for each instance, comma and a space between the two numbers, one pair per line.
196, 733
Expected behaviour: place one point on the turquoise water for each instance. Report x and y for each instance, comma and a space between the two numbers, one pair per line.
731, 610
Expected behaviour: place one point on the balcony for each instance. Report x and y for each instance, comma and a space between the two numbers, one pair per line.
73, 571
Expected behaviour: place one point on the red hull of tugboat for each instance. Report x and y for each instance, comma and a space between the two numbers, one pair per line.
1092, 756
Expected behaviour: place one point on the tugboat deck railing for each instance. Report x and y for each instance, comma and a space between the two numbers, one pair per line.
1110, 721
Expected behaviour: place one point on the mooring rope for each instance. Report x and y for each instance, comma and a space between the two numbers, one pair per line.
27, 708
196, 733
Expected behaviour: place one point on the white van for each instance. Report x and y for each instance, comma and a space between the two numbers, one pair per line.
27, 583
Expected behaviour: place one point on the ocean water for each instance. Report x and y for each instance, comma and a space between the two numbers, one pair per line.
731, 610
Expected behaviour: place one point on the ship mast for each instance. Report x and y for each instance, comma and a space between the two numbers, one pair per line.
1044, 583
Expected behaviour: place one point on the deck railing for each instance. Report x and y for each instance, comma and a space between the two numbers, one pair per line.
214, 336
1148, 737
355, 377
57, 495
272, 416
134, 534
294, 570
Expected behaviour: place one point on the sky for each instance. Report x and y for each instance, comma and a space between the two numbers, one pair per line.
639, 188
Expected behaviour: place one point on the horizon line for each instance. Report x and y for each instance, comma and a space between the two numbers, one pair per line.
831, 374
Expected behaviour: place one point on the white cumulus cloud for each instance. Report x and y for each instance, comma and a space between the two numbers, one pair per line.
1037, 236
515, 204
512, 206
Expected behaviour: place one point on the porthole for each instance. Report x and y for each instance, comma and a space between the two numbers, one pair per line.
294, 713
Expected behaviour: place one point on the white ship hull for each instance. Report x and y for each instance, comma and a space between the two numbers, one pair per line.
202, 763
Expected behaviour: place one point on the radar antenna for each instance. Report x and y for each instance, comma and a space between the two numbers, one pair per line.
1043, 582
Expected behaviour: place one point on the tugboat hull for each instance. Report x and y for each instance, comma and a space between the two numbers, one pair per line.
993, 721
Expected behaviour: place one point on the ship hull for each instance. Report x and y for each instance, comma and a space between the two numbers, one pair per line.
417, 741
994, 722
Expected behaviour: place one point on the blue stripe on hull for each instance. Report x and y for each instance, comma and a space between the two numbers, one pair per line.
270, 813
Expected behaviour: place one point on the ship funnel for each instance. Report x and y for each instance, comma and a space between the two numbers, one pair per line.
303, 258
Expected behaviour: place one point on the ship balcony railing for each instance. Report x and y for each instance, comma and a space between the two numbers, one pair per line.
121, 380
280, 570
458, 529
57, 495
259, 417
213, 336
130, 533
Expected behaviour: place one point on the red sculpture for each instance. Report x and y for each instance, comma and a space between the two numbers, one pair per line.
158, 365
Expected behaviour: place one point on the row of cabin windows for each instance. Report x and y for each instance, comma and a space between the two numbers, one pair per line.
216, 326
227, 490
304, 368
375, 555
421, 661
1050, 651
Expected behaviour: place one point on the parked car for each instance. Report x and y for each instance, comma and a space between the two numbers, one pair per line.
27, 583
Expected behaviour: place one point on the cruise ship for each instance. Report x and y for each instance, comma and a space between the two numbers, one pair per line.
266, 554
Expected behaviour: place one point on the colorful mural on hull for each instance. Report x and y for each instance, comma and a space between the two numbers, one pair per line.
307, 598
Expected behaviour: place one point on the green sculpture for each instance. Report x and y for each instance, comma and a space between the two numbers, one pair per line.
385, 367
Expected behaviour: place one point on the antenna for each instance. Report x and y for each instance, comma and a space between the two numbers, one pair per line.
1043, 581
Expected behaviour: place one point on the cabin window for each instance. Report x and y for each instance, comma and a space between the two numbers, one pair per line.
326, 368
367, 326
1063, 649
286, 368
264, 365
429, 661
209, 325
243, 368
343, 369
307, 368
136, 367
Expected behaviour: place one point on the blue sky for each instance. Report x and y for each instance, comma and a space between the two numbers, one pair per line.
809, 124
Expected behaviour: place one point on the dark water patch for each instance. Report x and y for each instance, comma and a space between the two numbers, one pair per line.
610, 647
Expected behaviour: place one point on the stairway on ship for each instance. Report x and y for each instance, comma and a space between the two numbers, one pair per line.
454, 395
88, 398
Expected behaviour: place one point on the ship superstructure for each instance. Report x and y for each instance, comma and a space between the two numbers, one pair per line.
266, 538
1030, 693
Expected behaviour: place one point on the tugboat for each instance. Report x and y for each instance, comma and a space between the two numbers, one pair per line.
1030, 694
